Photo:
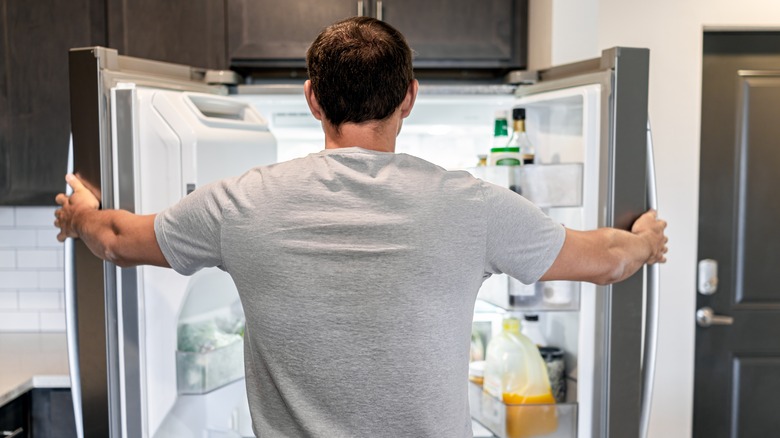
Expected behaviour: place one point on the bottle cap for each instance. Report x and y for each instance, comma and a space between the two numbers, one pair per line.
550, 353
500, 114
511, 325
518, 114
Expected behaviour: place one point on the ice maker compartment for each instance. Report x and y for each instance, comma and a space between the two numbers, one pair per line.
546, 185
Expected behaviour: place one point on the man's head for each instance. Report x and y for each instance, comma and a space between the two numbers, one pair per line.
360, 70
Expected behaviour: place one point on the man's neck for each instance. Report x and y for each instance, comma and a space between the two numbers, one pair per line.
375, 135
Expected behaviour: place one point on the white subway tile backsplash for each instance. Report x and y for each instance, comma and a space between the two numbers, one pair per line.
8, 301
6, 216
34, 300
52, 321
19, 322
18, 238
34, 216
31, 270
37, 258
47, 237
51, 279
19, 280
7, 258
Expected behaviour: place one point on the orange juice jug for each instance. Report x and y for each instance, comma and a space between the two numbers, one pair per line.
516, 374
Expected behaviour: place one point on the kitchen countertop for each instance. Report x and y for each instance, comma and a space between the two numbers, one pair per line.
32, 360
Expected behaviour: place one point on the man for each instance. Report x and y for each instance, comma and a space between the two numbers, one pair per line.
357, 267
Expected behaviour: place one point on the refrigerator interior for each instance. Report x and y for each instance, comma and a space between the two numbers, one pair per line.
185, 140
451, 130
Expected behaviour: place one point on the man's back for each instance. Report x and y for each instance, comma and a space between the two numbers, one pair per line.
358, 272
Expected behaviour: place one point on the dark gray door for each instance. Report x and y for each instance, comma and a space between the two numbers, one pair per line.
737, 380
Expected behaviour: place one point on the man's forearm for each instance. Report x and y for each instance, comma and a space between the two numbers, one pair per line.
627, 253
120, 237
609, 255
97, 229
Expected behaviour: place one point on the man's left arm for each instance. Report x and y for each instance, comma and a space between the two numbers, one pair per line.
118, 236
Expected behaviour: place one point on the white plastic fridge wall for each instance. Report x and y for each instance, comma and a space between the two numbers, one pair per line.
447, 130
178, 137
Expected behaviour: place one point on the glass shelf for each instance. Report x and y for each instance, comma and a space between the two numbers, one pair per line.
522, 421
546, 185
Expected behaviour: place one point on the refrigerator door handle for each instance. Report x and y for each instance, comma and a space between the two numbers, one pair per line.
71, 319
652, 304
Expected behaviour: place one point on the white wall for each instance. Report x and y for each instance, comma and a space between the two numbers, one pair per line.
673, 31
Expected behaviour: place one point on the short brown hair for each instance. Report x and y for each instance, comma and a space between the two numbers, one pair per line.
360, 69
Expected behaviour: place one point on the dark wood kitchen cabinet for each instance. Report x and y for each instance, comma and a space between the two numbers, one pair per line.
271, 34
456, 34
34, 95
190, 32
39, 413
461, 34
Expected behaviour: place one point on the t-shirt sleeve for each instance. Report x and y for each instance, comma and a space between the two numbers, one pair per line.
522, 241
189, 232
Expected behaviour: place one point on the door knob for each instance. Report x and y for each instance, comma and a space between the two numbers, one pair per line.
706, 317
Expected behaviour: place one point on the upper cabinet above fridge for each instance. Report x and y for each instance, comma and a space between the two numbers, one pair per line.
459, 34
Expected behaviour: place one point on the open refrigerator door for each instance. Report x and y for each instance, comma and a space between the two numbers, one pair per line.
564, 125
159, 354
588, 124
172, 143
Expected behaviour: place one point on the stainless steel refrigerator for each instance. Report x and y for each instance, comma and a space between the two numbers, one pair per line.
146, 133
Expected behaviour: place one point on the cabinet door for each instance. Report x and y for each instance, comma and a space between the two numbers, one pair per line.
267, 33
15, 417
190, 32
461, 33
35, 37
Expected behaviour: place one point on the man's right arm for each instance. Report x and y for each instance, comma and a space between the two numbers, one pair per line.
121, 237
609, 255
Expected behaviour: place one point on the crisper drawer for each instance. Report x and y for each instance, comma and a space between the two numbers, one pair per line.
199, 373
522, 421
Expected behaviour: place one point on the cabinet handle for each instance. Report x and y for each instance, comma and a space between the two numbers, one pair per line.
379, 10
360, 8
11, 434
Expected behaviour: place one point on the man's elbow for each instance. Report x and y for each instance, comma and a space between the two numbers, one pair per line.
114, 255
619, 269
610, 277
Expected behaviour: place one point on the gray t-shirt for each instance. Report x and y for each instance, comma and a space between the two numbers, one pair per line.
358, 272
